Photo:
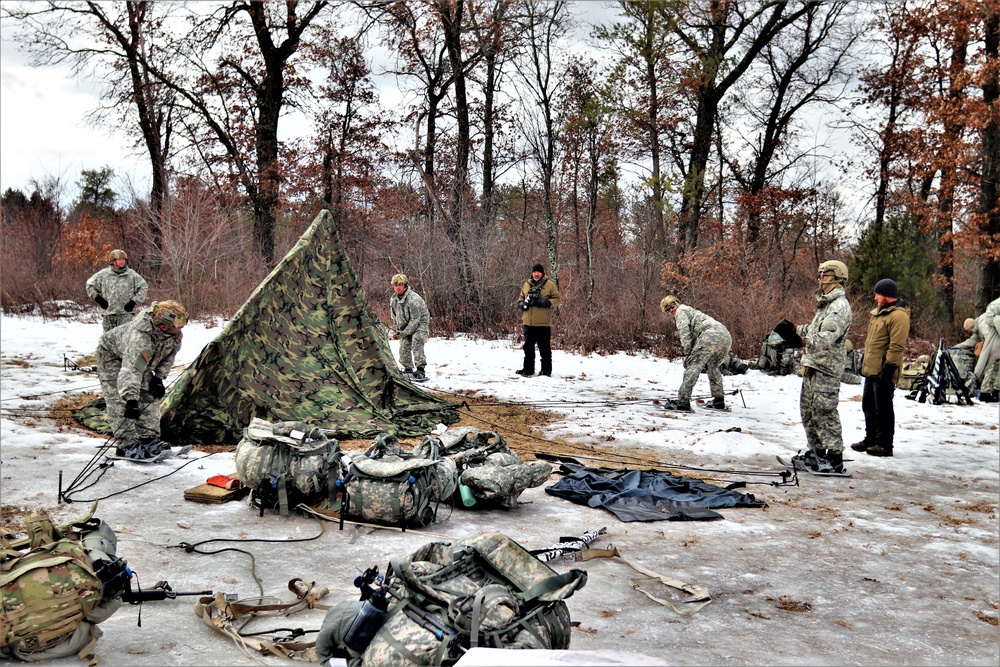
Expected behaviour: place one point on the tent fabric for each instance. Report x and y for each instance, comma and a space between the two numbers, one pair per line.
305, 346
647, 495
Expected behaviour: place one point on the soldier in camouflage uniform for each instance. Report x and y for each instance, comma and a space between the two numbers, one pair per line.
705, 343
822, 367
117, 289
985, 330
132, 362
410, 318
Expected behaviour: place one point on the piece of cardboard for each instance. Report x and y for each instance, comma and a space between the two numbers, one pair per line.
211, 494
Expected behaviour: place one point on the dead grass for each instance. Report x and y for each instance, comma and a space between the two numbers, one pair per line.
786, 603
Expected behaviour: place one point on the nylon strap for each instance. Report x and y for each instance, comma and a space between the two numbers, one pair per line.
698, 594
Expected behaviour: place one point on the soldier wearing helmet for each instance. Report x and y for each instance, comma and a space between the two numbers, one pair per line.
824, 340
411, 320
133, 360
705, 343
117, 289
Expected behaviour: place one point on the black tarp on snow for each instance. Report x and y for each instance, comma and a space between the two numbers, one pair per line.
645, 495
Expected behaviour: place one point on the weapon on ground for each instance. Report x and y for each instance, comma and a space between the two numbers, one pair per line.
161, 591
567, 545
933, 387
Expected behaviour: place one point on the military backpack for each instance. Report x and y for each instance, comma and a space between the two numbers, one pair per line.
448, 597
287, 463
53, 593
389, 485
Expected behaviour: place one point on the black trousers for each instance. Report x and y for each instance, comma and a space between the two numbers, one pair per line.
542, 337
880, 420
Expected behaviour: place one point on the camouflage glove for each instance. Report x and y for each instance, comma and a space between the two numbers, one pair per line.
101, 301
129, 305
132, 409
887, 372
156, 388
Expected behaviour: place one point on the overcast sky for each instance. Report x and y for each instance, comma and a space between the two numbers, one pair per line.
43, 127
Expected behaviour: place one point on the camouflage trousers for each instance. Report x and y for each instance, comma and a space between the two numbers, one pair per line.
991, 378
411, 350
709, 352
818, 408
127, 431
112, 320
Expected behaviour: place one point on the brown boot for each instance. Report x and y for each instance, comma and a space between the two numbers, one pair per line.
878, 450
860, 446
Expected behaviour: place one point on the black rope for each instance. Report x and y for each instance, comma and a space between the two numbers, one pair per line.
579, 447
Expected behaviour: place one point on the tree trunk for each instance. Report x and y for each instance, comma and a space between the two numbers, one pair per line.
988, 280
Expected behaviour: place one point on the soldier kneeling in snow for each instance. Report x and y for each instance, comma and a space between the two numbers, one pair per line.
132, 362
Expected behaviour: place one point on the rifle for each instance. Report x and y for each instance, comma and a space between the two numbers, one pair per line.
567, 545
161, 591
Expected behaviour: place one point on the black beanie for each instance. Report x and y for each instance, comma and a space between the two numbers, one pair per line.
887, 287
539, 268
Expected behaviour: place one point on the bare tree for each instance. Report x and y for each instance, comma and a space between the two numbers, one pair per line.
545, 25
723, 38
232, 75
116, 42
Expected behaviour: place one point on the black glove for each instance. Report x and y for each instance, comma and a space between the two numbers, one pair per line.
156, 388
543, 303
129, 305
786, 330
132, 409
887, 372
101, 301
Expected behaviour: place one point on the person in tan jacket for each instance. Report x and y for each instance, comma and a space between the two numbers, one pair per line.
887, 332
539, 295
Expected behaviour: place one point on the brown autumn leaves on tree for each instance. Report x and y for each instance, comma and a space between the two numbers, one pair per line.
673, 154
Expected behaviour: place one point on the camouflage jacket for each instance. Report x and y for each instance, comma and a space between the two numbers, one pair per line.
824, 337
887, 332
691, 324
117, 288
987, 331
143, 350
409, 313
536, 316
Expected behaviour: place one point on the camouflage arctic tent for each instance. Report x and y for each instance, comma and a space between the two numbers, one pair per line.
304, 346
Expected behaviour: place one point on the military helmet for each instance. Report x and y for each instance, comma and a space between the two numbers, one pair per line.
400, 279
839, 269
668, 303
117, 254
170, 313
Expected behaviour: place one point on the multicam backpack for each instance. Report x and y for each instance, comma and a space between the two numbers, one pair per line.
389, 485
52, 599
287, 463
445, 598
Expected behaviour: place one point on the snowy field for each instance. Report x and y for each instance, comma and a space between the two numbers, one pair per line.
898, 565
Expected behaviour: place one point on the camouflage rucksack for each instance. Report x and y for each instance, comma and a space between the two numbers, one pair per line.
287, 463
446, 598
775, 357
389, 485
52, 598
489, 473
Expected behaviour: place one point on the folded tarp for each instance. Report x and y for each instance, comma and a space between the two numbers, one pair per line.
647, 495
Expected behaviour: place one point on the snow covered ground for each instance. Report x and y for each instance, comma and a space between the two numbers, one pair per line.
898, 565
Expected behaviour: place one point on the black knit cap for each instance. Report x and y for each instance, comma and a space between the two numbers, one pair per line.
539, 268
887, 287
